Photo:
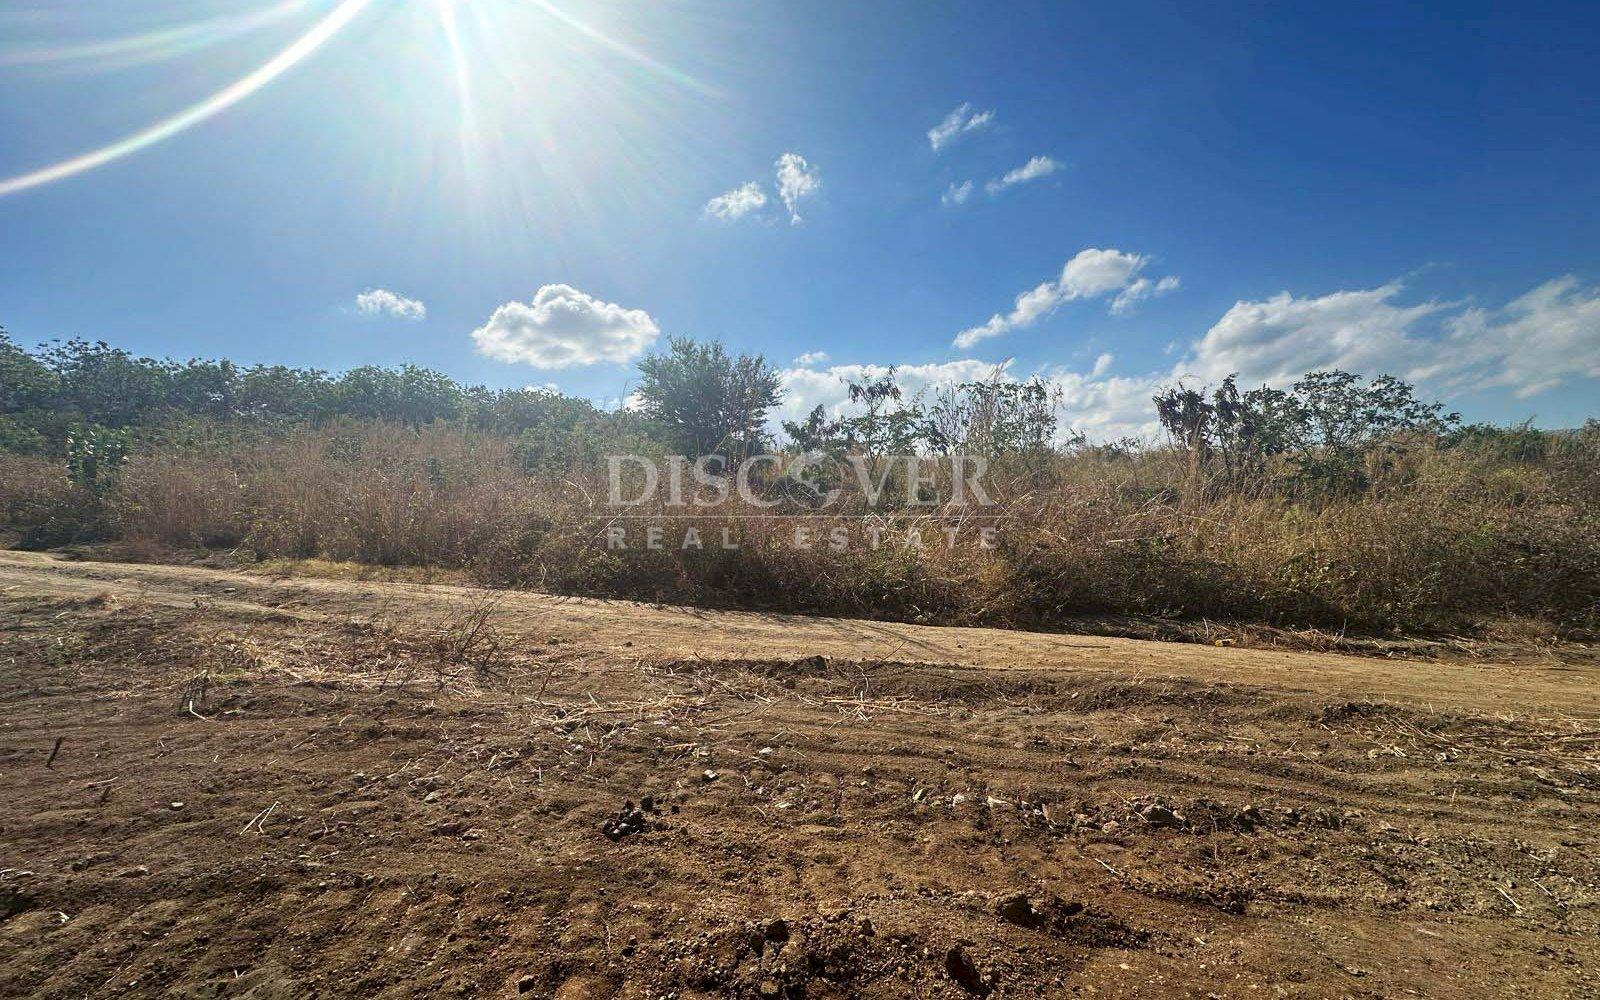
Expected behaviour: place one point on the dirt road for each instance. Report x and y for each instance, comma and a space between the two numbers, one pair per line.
218, 784
631, 628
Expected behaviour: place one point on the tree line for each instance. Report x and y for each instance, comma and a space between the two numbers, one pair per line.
87, 401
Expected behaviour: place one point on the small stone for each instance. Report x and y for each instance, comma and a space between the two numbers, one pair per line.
765, 752
139, 871
1158, 815
174, 806
959, 966
526, 984
431, 797
1018, 909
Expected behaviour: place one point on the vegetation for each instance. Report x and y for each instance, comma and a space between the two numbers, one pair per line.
707, 402
1338, 503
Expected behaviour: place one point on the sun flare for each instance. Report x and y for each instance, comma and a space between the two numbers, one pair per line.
468, 39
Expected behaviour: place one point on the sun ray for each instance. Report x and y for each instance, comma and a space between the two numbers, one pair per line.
194, 114
622, 48
152, 46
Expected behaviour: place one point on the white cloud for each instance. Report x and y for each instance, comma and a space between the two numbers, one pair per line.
562, 327
1277, 340
737, 203
810, 358
1142, 288
797, 179
1536, 342
1103, 408
382, 302
1533, 343
956, 124
1091, 274
956, 194
1039, 166
807, 387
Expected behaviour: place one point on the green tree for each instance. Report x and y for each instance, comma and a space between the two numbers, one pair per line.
1335, 427
706, 400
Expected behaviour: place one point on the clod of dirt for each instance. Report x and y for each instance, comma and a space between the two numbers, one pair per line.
959, 966
777, 932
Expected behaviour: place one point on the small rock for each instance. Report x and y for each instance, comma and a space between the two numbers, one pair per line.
174, 806
139, 871
1159, 815
526, 984
1018, 909
628, 821
958, 965
431, 797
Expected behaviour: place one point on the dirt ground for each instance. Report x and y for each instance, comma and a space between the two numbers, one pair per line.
215, 784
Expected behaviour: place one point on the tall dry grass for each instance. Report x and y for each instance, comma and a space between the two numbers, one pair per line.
1443, 540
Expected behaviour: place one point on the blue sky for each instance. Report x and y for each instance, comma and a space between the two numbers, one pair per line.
1388, 187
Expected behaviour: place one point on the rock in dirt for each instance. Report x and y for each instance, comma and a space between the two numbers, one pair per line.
959, 966
1159, 815
1018, 909
526, 984
630, 820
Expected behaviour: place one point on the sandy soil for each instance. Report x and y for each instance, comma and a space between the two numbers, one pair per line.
216, 784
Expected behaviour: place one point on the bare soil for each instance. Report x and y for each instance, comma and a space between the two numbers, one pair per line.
214, 784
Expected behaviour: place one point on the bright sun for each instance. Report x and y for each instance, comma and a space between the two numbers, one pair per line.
480, 71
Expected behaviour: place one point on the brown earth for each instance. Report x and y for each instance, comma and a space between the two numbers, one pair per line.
214, 784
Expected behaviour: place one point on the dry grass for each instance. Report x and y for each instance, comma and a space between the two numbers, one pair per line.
1445, 541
